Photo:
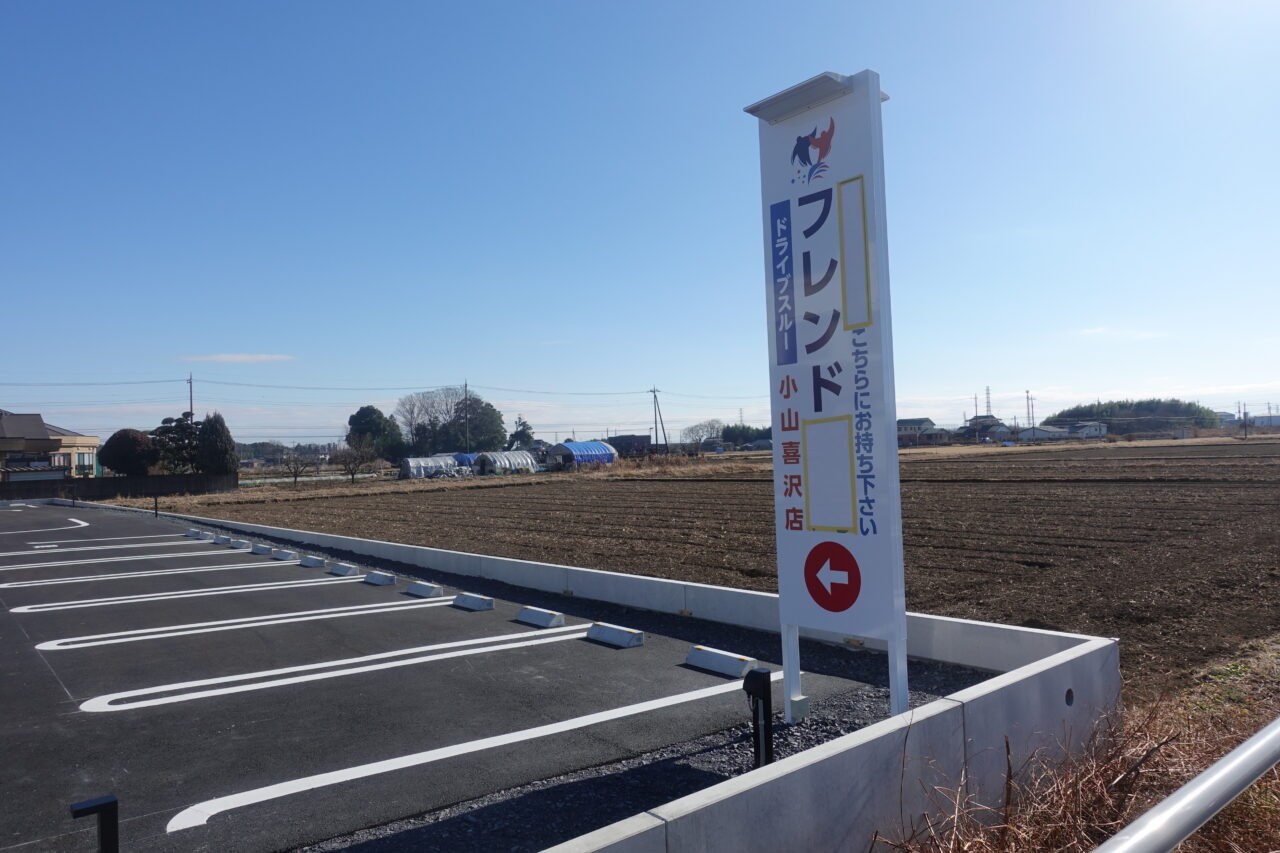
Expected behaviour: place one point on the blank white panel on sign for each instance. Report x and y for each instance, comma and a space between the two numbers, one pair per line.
855, 269
827, 448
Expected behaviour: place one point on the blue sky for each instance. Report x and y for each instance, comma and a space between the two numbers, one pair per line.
563, 198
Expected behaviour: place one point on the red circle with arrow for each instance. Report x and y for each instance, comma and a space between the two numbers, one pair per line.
832, 577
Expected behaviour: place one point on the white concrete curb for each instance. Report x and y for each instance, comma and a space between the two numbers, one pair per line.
380, 578
615, 635
284, 555
540, 618
471, 601
423, 589
343, 570
260, 549
720, 662
240, 544
311, 562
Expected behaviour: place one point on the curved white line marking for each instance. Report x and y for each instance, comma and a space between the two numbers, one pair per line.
166, 596
107, 702
78, 523
234, 624
106, 539
92, 548
199, 814
121, 559
126, 575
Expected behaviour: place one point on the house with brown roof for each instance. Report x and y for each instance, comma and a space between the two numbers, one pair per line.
31, 449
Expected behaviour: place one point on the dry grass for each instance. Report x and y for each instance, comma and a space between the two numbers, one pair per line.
1162, 746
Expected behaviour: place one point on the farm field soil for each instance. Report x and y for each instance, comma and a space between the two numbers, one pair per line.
1175, 549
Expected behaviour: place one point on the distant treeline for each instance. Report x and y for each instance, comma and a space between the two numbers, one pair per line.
740, 434
275, 451
1128, 416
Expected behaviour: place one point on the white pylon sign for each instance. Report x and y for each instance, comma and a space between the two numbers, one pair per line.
838, 515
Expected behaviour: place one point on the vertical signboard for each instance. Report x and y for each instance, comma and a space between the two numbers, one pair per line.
838, 512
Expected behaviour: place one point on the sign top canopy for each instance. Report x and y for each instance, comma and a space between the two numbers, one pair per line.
813, 92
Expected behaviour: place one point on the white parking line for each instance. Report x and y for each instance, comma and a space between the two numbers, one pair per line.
93, 548
78, 523
106, 703
234, 624
106, 539
122, 559
166, 596
125, 575
199, 814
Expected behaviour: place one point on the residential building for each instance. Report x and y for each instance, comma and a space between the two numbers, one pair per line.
31, 449
1045, 433
983, 428
919, 431
1088, 429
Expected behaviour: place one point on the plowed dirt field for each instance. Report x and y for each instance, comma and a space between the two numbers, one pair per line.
1173, 548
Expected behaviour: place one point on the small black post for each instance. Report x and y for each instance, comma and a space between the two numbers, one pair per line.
758, 685
108, 811
155, 506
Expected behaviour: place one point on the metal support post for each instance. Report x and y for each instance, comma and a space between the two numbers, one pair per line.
796, 705
758, 684
108, 811
898, 698
155, 506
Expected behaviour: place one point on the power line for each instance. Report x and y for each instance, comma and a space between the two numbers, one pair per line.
84, 384
325, 387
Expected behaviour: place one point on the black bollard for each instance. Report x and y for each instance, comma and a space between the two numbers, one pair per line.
758, 685
108, 811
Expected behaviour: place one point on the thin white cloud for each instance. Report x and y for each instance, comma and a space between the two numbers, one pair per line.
1120, 334
238, 357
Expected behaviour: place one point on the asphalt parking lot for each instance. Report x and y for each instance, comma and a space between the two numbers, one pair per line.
236, 702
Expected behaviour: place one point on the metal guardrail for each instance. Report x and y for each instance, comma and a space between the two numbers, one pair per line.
1177, 817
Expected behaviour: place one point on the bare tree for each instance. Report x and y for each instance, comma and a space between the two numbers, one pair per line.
296, 464
700, 432
411, 411
427, 410
353, 461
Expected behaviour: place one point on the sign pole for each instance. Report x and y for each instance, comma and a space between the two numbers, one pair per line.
899, 701
796, 706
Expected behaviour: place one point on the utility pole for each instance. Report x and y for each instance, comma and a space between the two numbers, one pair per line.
191, 397
1030, 423
657, 417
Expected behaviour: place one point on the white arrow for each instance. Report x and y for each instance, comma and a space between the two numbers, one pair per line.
827, 576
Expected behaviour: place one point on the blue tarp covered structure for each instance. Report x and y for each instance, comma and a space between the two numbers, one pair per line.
464, 459
571, 453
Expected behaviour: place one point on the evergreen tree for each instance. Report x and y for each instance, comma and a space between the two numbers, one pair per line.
369, 426
216, 449
522, 436
176, 441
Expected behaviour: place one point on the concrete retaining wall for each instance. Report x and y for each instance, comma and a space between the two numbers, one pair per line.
888, 777
1050, 693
